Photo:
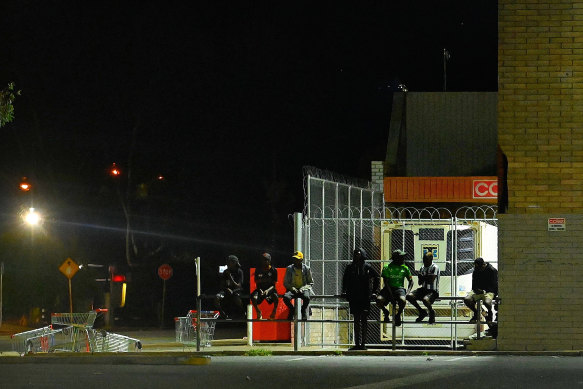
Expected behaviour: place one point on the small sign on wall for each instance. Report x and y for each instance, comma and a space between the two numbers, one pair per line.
557, 224
432, 249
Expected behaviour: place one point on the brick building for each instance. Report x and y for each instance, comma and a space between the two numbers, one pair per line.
540, 129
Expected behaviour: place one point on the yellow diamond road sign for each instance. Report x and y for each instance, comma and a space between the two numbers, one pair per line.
69, 268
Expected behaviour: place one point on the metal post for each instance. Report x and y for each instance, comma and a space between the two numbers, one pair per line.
249, 325
163, 303
1, 276
453, 282
70, 297
198, 323
394, 328
296, 324
298, 232
445, 58
479, 321
338, 277
198, 303
197, 268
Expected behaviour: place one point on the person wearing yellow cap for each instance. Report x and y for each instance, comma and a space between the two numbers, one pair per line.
298, 283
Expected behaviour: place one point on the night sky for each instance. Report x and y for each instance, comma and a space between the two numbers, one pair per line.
226, 102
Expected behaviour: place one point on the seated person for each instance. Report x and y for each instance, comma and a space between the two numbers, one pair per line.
429, 288
484, 288
231, 286
298, 283
265, 280
394, 275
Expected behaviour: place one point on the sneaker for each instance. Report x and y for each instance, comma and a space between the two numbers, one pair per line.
474, 319
422, 315
431, 317
304, 315
489, 317
354, 348
398, 320
290, 315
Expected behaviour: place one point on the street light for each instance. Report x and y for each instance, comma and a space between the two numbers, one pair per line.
114, 170
24, 185
32, 217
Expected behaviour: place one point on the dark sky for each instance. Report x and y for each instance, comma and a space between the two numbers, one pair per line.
228, 102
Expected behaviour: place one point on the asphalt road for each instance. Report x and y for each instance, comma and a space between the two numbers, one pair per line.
311, 372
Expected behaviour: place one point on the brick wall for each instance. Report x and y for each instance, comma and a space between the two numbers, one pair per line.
540, 128
540, 283
377, 175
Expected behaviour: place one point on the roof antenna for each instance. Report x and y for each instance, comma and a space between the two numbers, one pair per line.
446, 57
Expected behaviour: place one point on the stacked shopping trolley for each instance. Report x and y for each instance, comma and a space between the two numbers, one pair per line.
72, 332
187, 327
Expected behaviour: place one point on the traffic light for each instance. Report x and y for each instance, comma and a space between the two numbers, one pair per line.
118, 278
118, 290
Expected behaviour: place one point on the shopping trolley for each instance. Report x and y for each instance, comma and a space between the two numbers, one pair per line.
187, 326
77, 330
81, 320
73, 332
103, 341
20, 341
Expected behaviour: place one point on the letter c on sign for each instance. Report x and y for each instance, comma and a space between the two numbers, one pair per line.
493, 189
481, 192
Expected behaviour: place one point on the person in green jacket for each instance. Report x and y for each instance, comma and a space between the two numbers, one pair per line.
393, 276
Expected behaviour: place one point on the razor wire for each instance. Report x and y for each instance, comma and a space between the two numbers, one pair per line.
340, 216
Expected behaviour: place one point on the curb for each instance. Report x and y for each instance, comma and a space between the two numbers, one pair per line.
204, 357
111, 359
385, 353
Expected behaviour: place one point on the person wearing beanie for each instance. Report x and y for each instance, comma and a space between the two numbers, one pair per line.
265, 280
484, 288
360, 284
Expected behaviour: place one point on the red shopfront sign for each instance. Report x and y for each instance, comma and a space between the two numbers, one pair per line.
472, 189
485, 189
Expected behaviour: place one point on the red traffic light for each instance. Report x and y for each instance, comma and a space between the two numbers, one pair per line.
118, 278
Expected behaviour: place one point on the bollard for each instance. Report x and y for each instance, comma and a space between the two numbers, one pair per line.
249, 325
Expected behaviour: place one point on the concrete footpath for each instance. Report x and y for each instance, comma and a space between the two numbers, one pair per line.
159, 347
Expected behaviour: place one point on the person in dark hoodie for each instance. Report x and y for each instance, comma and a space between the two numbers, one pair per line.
360, 284
484, 288
231, 286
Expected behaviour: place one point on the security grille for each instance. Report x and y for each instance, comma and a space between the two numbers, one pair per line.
340, 215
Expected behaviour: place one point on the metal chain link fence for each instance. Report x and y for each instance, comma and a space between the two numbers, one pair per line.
339, 217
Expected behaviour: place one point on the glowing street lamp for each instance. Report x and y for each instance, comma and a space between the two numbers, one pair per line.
32, 217
24, 185
114, 170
